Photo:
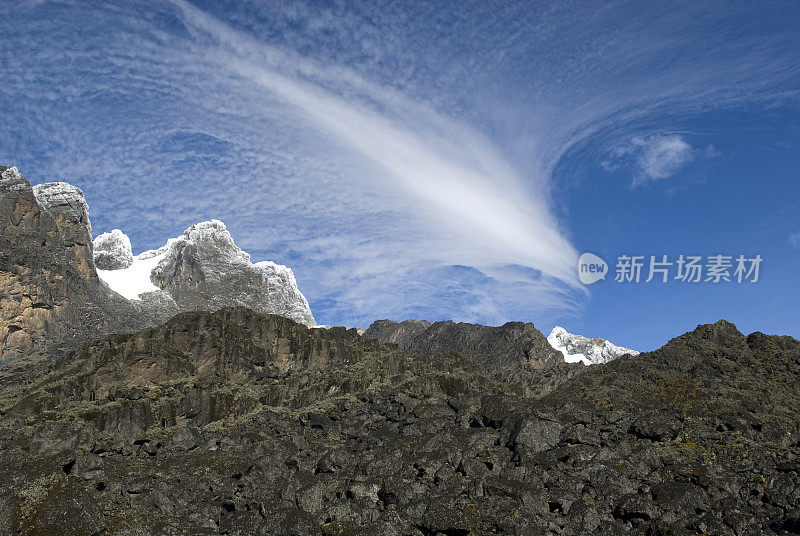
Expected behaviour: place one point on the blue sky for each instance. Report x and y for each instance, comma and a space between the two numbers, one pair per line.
433, 159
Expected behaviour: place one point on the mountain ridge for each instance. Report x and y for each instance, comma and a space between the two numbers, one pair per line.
118, 420
516, 344
303, 431
53, 298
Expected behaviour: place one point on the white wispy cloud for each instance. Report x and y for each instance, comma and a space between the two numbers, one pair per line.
395, 168
661, 156
655, 156
795, 239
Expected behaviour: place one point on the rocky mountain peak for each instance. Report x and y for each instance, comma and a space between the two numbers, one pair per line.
579, 349
205, 269
112, 251
721, 331
58, 292
709, 344
11, 179
64, 202
211, 241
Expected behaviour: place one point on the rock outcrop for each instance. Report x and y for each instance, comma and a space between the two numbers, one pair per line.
238, 423
579, 349
112, 251
514, 344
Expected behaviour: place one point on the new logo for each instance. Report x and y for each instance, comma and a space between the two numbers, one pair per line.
591, 268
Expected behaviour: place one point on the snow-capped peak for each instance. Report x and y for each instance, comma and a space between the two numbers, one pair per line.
112, 251
579, 349
205, 269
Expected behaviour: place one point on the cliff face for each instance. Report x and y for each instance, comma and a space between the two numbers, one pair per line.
239, 423
48, 283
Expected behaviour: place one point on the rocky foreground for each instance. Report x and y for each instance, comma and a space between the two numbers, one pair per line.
240, 423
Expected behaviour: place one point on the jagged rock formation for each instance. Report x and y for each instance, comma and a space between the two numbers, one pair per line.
112, 251
52, 297
512, 344
237, 423
579, 349
67, 206
205, 270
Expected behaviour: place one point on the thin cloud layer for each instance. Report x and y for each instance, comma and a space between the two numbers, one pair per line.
400, 158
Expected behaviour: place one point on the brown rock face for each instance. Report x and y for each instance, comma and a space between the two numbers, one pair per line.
45, 258
51, 298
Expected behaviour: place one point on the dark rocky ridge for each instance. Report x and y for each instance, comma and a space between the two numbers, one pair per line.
239, 423
516, 344
508, 353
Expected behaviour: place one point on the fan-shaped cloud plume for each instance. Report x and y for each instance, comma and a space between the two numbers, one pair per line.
399, 157
472, 201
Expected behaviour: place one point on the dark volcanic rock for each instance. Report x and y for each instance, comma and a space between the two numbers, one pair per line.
512, 344
241, 423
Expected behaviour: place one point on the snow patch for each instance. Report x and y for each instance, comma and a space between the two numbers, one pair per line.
133, 281
579, 349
